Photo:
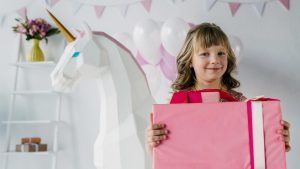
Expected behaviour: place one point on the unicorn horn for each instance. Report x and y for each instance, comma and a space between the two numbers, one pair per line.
70, 38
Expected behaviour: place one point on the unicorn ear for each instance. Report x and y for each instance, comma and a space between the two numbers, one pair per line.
84, 38
87, 30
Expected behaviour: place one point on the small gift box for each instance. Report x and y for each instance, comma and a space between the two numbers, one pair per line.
26, 147
31, 144
42, 147
36, 140
31, 147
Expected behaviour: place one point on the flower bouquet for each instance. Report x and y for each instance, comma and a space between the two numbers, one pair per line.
37, 30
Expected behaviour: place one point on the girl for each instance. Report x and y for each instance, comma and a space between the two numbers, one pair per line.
205, 61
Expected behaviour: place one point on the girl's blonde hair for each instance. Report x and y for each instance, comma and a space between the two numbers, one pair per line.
204, 35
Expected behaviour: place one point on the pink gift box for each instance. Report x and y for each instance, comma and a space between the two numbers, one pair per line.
212, 135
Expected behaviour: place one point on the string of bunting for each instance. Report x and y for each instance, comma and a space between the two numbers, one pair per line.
122, 5
234, 5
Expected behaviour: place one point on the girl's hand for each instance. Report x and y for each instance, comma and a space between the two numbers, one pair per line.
155, 134
285, 134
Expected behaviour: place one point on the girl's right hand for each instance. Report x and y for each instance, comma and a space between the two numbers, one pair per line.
155, 134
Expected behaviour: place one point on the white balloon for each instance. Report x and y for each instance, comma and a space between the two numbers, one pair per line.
237, 47
153, 76
173, 33
126, 39
147, 40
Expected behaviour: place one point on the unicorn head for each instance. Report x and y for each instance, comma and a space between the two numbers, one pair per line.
72, 65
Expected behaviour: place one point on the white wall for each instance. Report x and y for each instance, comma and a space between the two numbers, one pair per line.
269, 64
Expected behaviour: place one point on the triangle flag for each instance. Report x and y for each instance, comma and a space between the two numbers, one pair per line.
53, 2
285, 3
22, 12
146, 4
260, 6
99, 10
234, 7
210, 4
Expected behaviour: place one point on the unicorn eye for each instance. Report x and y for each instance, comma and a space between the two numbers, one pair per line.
75, 54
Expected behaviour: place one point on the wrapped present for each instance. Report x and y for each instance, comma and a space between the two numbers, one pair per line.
36, 140
27, 147
31, 147
214, 135
42, 147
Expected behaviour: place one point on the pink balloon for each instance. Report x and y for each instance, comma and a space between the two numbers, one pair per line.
168, 64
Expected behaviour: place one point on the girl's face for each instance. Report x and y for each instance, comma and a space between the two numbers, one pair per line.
210, 64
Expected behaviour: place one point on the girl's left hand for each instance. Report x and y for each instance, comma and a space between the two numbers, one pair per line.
285, 134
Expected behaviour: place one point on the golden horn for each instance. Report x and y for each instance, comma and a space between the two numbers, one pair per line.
70, 38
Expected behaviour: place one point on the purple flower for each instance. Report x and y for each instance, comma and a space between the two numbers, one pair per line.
31, 33
21, 29
35, 28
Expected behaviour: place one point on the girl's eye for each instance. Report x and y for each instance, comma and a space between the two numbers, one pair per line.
204, 54
221, 53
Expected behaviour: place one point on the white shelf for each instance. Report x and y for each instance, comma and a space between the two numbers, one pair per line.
33, 122
36, 92
43, 64
35, 66
29, 153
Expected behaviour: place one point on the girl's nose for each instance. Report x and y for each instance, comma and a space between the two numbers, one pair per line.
214, 59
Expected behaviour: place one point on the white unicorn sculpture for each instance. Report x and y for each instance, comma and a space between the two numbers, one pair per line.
124, 95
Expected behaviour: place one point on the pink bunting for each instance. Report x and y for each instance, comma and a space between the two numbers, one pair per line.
146, 4
234, 7
168, 64
260, 6
53, 2
99, 10
285, 3
22, 12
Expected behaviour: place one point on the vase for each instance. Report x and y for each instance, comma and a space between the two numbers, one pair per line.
35, 54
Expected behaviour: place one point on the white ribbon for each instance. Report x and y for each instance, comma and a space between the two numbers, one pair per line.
258, 135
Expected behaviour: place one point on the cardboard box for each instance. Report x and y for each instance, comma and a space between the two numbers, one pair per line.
29, 147
228, 135
36, 140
